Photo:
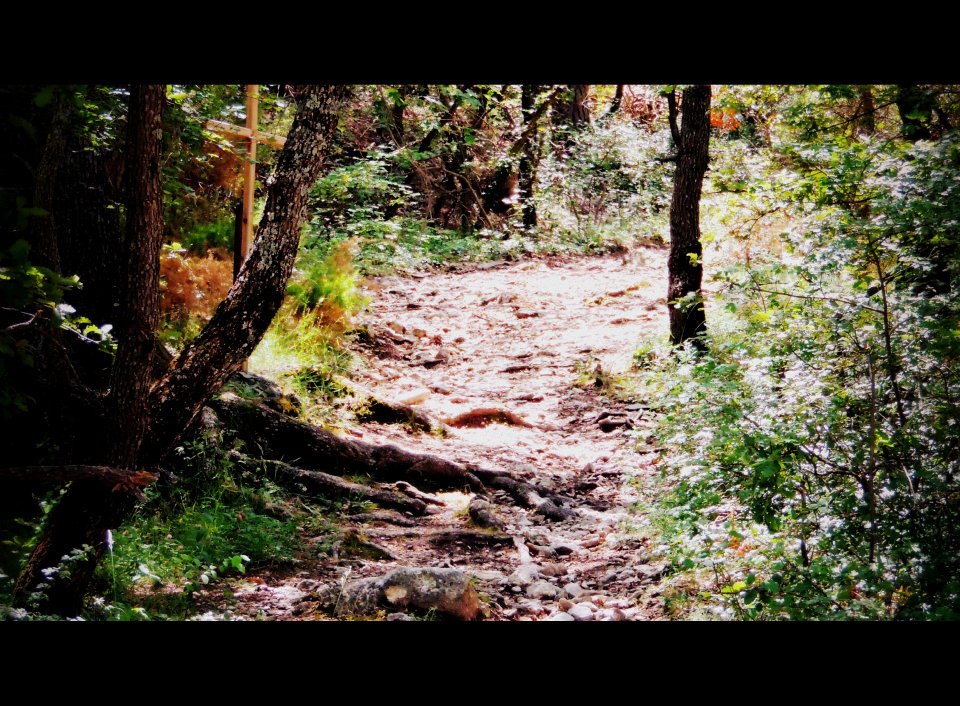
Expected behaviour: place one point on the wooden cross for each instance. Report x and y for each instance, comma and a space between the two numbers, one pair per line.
253, 137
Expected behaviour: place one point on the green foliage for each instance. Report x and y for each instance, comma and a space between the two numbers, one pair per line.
815, 464
214, 523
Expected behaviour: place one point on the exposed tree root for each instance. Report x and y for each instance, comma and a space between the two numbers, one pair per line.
272, 435
324, 485
387, 516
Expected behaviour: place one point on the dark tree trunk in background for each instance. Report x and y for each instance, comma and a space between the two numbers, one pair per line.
579, 112
686, 273
89, 507
915, 105
617, 100
139, 311
149, 422
866, 121
527, 168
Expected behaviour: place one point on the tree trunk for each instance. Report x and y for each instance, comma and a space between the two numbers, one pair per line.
617, 100
77, 524
866, 119
88, 508
579, 112
915, 106
527, 169
688, 321
139, 312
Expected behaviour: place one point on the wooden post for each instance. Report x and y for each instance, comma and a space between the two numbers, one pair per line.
244, 235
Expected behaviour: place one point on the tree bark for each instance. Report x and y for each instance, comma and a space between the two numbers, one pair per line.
139, 312
688, 322
527, 168
617, 100
579, 112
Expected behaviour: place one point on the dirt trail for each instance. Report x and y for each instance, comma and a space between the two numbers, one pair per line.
515, 338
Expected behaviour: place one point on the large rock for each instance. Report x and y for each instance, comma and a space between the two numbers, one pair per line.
449, 592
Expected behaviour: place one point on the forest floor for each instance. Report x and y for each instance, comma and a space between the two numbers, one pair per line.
520, 361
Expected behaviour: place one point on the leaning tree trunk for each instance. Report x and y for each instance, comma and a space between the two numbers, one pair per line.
688, 321
89, 508
242, 318
78, 524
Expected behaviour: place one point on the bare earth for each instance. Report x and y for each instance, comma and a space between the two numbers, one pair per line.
515, 338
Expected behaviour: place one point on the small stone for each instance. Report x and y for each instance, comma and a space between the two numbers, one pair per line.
524, 575
560, 618
416, 397
526, 313
509, 612
574, 589
530, 607
419, 332
565, 604
542, 589
516, 589
540, 550
553, 570
562, 549
610, 577
399, 616
581, 612
307, 585
590, 542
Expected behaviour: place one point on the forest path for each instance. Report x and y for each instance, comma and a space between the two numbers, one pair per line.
516, 338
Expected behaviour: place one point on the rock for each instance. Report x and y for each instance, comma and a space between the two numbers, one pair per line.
574, 589
441, 390
546, 552
610, 615
560, 618
581, 612
542, 589
509, 612
610, 577
551, 569
590, 541
392, 617
307, 585
524, 576
565, 604
440, 356
526, 313
419, 333
485, 514
563, 549
530, 607
610, 423
448, 591
415, 397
